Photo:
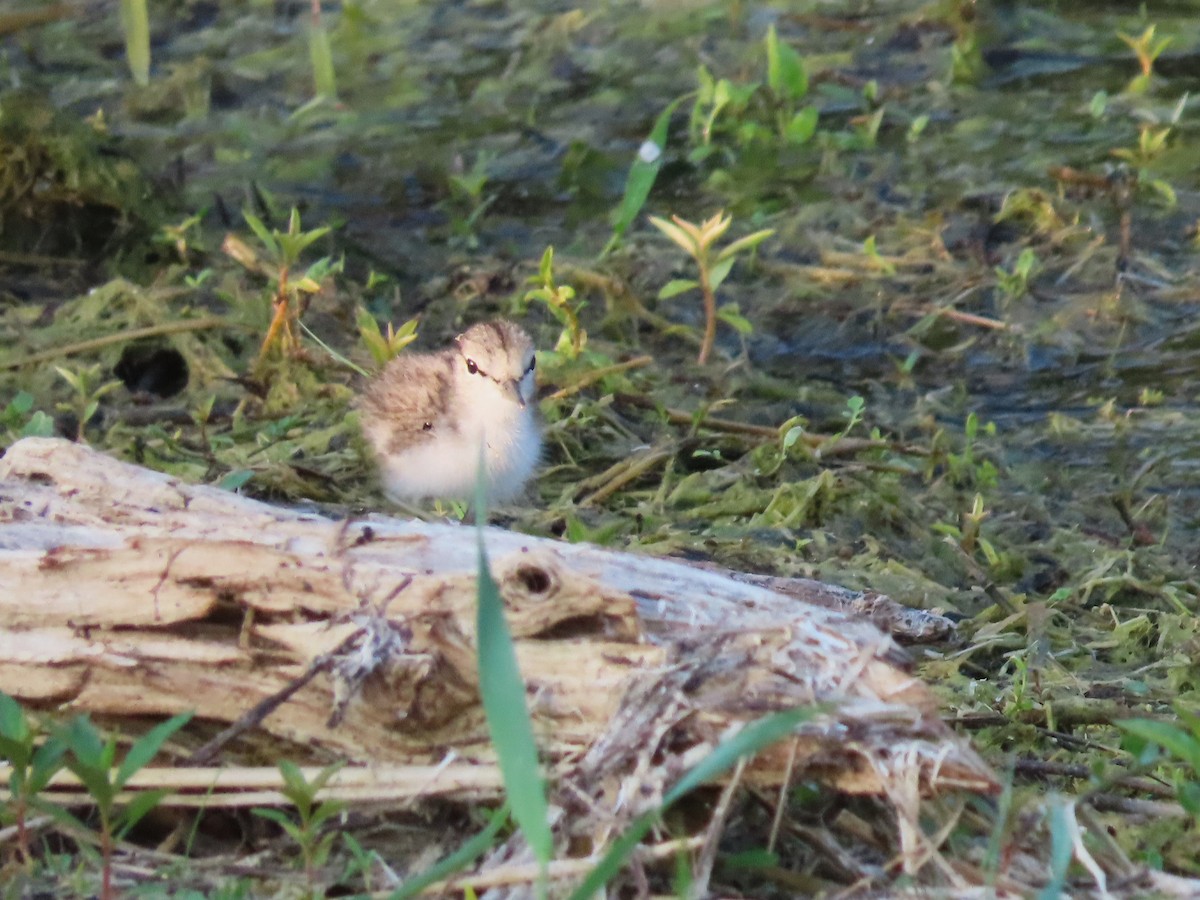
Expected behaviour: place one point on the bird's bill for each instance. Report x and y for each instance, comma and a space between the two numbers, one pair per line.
514, 388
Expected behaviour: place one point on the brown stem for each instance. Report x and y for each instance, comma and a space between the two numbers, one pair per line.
710, 317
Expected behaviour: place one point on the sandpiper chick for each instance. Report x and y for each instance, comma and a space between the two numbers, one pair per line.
427, 414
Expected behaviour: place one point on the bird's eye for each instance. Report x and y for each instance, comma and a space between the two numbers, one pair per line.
532, 364
471, 367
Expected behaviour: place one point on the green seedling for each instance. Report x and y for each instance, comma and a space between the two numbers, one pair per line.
560, 300
33, 759
87, 389
1151, 144
283, 250
966, 468
93, 760
876, 260
856, 408
716, 97
1147, 50
1015, 283
312, 815
467, 190
698, 241
384, 346
176, 236
20, 419
757, 112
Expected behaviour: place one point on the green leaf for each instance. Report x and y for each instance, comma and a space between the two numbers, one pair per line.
235, 480
321, 55
1062, 849
642, 174
745, 243
13, 724
802, 126
732, 316
147, 746
135, 22
719, 272
1170, 737
47, 760
459, 859
278, 816
84, 742
262, 233
675, 287
503, 693
39, 425
137, 808
675, 233
786, 75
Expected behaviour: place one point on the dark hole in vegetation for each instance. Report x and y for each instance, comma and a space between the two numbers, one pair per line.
161, 371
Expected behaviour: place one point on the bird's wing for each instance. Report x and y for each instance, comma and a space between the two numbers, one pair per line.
403, 406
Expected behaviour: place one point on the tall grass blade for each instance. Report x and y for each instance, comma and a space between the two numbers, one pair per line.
135, 22
459, 859
746, 742
503, 693
642, 175
321, 55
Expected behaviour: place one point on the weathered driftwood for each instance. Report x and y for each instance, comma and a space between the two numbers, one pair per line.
129, 593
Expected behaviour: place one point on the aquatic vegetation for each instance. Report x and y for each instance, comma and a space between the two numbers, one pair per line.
714, 267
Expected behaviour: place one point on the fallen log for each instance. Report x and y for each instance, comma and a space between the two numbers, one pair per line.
128, 593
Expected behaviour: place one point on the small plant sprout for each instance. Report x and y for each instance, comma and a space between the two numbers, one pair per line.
1147, 50
32, 764
93, 760
1151, 143
87, 389
19, 419
714, 266
1015, 283
384, 346
560, 300
314, 846
787, 79
283, 249
466, 188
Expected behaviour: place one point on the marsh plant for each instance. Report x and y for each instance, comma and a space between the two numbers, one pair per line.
560, 300
277, 259
312, 814
87, 389
1147, 49
384, 345
713, 265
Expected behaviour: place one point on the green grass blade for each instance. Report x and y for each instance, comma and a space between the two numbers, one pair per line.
1062, 849
503, 693
642, 174
321, 55
746, 742
1171, 738
456, 860
147, 746
135, 22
